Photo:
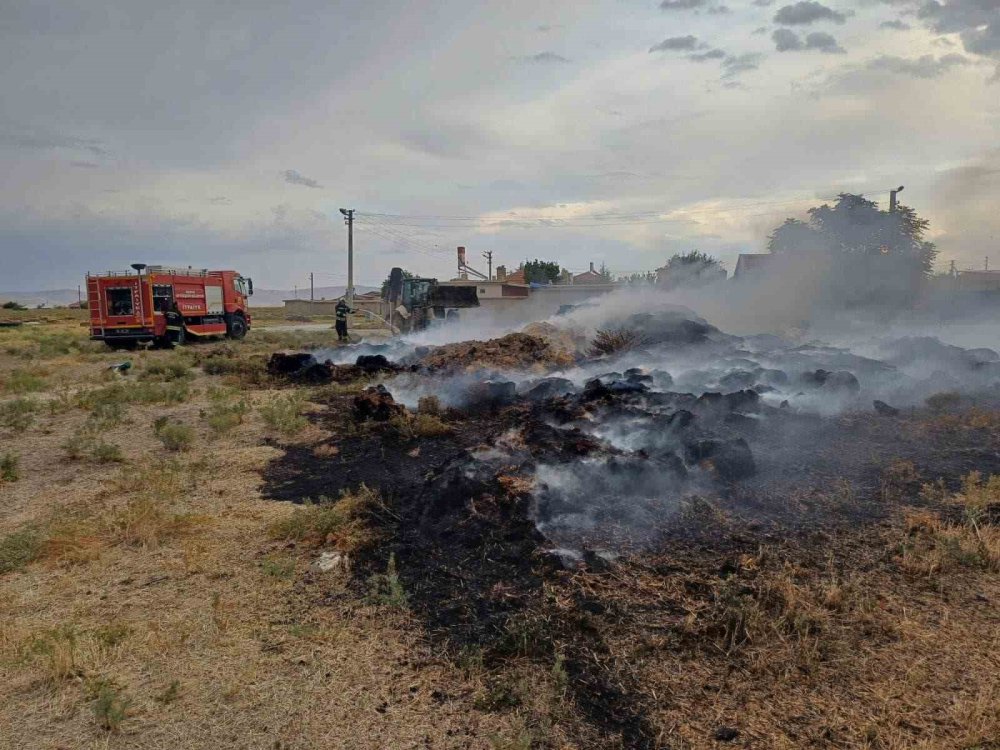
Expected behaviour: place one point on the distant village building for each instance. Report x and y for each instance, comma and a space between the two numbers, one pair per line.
590, 277
753, 264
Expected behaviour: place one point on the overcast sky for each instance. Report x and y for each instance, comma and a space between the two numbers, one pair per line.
227, 134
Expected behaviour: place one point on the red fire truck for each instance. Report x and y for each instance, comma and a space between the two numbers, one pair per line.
166, 306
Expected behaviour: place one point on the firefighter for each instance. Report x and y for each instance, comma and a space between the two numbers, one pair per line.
342, 310
175, 323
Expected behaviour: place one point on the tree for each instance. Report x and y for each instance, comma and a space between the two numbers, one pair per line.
540, 271
385, 284
12, 305
693, 268
866, 255
646, 277
693, 259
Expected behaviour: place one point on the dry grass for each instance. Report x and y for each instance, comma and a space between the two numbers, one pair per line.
167, 604
350, 524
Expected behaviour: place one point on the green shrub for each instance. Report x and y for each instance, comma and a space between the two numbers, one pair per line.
284, 414
350, 522
175, 436
18, 414
76, 445
19, 548
9, 468
107, 453
111, 706
386, 588
223, 417
166, 372
23, 381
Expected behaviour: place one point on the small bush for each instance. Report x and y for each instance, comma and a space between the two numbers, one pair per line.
58, 647
945, 401
76, 445
9, 468
614, 341
386, 588
428, 425
166, 372
23, 381
429, 405
20, 548
249, 371
111, 707
175, 436
18, 414
223, 417
284, 414
106, 453
350, 523
278, 566
142, 522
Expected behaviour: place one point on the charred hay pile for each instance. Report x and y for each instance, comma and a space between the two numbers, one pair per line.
599, 463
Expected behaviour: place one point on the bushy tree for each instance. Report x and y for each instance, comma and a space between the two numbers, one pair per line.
12, 305
867, 255
540, 271
693, 268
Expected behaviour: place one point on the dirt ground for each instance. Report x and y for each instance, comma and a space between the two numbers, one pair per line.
164, 582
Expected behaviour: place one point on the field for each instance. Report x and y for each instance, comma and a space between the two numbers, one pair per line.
196, 553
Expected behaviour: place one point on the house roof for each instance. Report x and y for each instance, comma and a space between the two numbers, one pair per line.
517, 277
752, 262
588, 277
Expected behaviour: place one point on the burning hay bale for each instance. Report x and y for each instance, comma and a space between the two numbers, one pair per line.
376, 404
515, 351
300, 367
617, 341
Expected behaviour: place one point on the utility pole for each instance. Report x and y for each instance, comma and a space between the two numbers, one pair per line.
892, 198
79, 296
489, 264
986, 265
312, 294
349, 220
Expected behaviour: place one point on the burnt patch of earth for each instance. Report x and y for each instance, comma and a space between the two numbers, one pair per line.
479, 574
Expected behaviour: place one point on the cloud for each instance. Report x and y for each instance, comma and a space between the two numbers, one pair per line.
763, 3
676, 43
682, 4
823, 42
806, 12
925, 66
895, 24
42, 141
760, 30
219, 200
734, 65
544, 58
786, 40
84, 165
295, 178
712, 54
719, 10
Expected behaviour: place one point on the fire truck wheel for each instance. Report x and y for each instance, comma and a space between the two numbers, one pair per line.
237, 327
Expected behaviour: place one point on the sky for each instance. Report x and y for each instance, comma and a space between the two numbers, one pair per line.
228, 134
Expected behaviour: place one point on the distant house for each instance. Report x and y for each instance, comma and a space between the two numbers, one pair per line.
752, 264
517, 277
590, 277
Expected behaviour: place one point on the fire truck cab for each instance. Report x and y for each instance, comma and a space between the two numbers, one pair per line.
166, 306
